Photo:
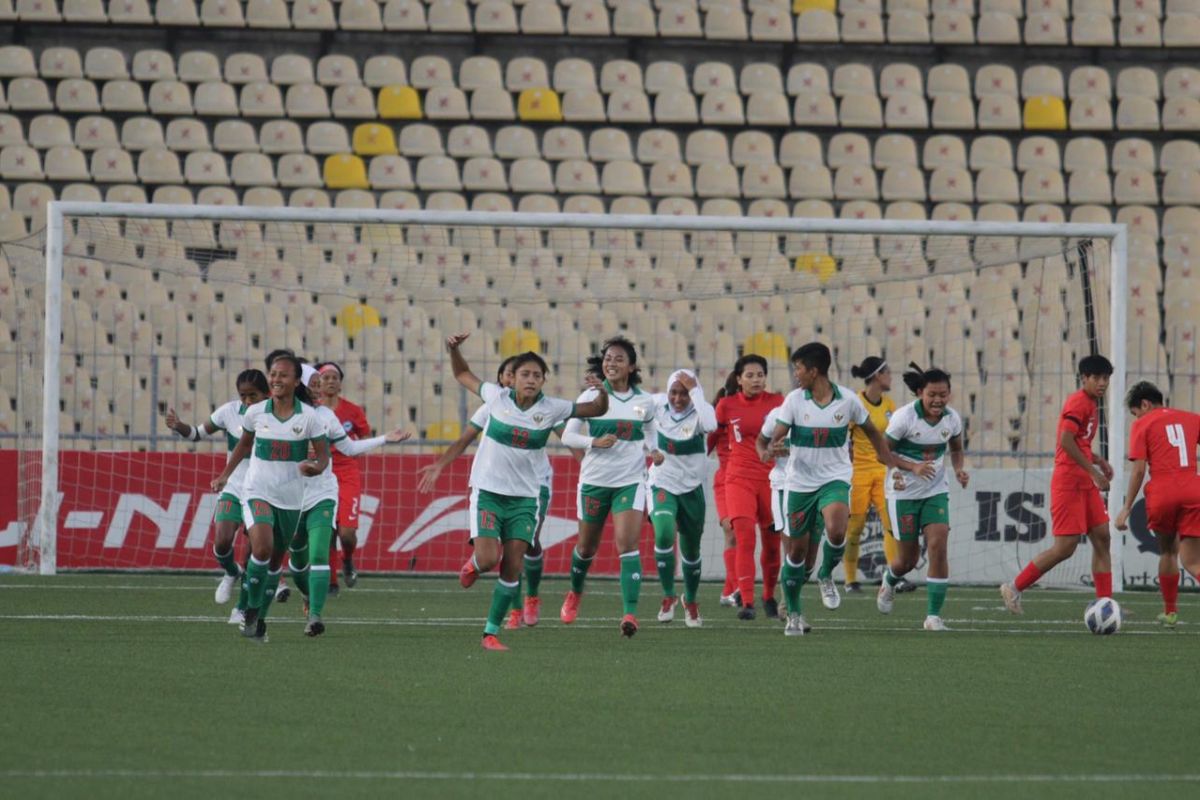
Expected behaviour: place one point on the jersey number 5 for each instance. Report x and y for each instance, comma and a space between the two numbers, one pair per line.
1177, 439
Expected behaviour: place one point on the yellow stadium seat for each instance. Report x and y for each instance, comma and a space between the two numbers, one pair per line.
800, 6
344, 171
399, 102
539, 105
446, 430
820, 264
519, 340
356, 316
373, 139
1045, 113
770, 346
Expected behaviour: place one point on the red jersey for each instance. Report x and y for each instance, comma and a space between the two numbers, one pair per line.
741, 419
354, 423
1166, 439
1081, 417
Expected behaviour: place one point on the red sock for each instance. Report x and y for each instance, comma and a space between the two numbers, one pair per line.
1103, 582
1168, 584
1028, 577
730, 571
743, 528
770, 560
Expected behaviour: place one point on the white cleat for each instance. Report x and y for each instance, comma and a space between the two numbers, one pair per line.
237, 617
225, 589
666, 613
732, 600
1012, 598
795, 626
886, 598
829, 593
935, 623
691, 615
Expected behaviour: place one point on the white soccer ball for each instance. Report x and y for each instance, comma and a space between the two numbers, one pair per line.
1103, 616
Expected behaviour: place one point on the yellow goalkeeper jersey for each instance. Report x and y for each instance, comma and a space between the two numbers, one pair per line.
863, 452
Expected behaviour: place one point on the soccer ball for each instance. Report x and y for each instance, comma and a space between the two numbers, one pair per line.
1103, 616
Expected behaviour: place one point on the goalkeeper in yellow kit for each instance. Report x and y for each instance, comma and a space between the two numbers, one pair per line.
866, 488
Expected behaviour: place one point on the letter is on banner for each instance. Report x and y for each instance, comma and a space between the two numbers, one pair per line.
987, 528
168, 520
366, 517
1022, 508
202, 521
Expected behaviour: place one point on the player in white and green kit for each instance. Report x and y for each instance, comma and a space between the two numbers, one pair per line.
683, 418
506, 472
252, 388
917, 489
816, 420
276, 436
612, 476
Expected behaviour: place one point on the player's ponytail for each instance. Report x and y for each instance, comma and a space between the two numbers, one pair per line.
731, 385
869, 368
916, 379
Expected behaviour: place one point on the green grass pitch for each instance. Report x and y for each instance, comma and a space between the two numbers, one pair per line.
135, 686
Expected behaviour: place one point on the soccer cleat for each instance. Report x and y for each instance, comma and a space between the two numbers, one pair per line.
771, 608
795, 625
514, 620
829, 593
746, 613
1169, 620
349, 573
732, 600
804, 624
854, 587
237, 617
468, 574
667, 612
886, 598
333, 589
691, 615
250, 623
570, 608
490, 642
533, 611
282, 593
935, 623
260, 632
905, 585
225, 588
1012, 598
315, 627
629, 626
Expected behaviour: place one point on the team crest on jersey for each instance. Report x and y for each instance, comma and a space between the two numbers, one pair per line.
806, 417
687, 431
640, 412
297, 428
838, 417
945, 434
537, 418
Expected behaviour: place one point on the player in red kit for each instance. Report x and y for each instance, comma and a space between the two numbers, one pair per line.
718, 443
345, 469
1164, 440
748, 482
1077, 507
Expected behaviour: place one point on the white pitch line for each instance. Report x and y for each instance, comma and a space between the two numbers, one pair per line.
605, 777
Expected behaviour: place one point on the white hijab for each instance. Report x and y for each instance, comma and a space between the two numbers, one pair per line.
671, 382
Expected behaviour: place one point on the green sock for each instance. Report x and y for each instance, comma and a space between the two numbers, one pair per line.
516, 599
579, 571
666, 570
318, 570
227, 561
691, 580
272, 583
298, 567
935, 595
243, 593
533, 573
631, 580
831, 556
502, 598
890, 578
792, 576
663, 521
256, 582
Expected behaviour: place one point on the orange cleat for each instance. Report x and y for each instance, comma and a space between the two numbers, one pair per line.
468, 574
490, 642
514, 620
629, 625
570, 608
533, 610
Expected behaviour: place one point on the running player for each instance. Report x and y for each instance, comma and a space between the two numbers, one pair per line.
748, 484
919, 501
816, 419
276, 436
251, 388
718, 442
1164, 440
683, 419
612, 477
349, 478
506, 473
1076, 504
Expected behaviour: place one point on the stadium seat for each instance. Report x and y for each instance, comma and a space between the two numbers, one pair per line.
387, 172
399, 102
313, 15
657, 145
252, 169
1179, 154
76, 95
65, 164
18, 162
1090, 186
373, 139
1044, 29
1092, 30
1134, 154
142, 133
608, 144
1181, 187
10, 130
404, 15
998, 28
679, 20
176, 12
676, 107
383, 70
999, 112
326, 138
1181, 82
298, 171
997, 185
1084, 153
1139, 30
49, 130
1041, 79
539, 105
205, 168
1135, 186
84, 11
770, 25
1181, 114
1038, 151
817, 25
221, 14
1137, 114
860, 111
1045, 113
1091, 113
60, 62
187, 135
562, 143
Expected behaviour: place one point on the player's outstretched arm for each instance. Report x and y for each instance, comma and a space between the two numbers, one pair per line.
958, 461
1069, 446
431, 472
1137, 474
596, 407
356, 447
458, 363
240, 452
189, 432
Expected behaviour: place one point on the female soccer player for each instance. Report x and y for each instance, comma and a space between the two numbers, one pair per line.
251, 388
748, 484
683, 419
1164, 440
718, 443
349, 478
612, 478
919, 501
276, 436
506, 473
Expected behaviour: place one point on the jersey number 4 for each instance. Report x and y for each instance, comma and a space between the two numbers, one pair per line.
1178, 440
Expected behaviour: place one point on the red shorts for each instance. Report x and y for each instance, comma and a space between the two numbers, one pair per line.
349, 495
1076, 510
719, 495
1174, 508
752, 500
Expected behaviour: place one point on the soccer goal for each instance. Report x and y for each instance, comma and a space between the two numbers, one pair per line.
152, 307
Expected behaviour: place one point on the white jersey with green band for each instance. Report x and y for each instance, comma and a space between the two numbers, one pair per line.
512, 450
912, 436
228, 418
630, 418
819, 436
778, 476
545, 471
682, 439
279, 447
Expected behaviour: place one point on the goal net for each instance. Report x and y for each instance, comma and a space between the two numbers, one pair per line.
135, 310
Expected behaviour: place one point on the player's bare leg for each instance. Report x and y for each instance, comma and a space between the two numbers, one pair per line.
730, 595
627, 530
1168, 577
1060, 549
837, 519
908, 553
485, 558
1189, 554
581, 561
223, 551
511, 563
349, 539
1101, 559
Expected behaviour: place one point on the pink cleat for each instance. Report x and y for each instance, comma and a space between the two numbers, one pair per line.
468, 574
514, 620
629, 625
570, 608
533, 610
490, 642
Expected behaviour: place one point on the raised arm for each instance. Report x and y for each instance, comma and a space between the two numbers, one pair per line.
240, 452
596, 407
431, 472
188, 432
458, 363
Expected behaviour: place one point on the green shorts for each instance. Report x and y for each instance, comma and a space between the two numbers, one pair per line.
322, 515
283, 521
687, 509
596, 502
909, 517
804, 509
229, 509
502, 516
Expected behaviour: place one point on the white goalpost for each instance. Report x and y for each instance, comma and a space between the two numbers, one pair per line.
147, 306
